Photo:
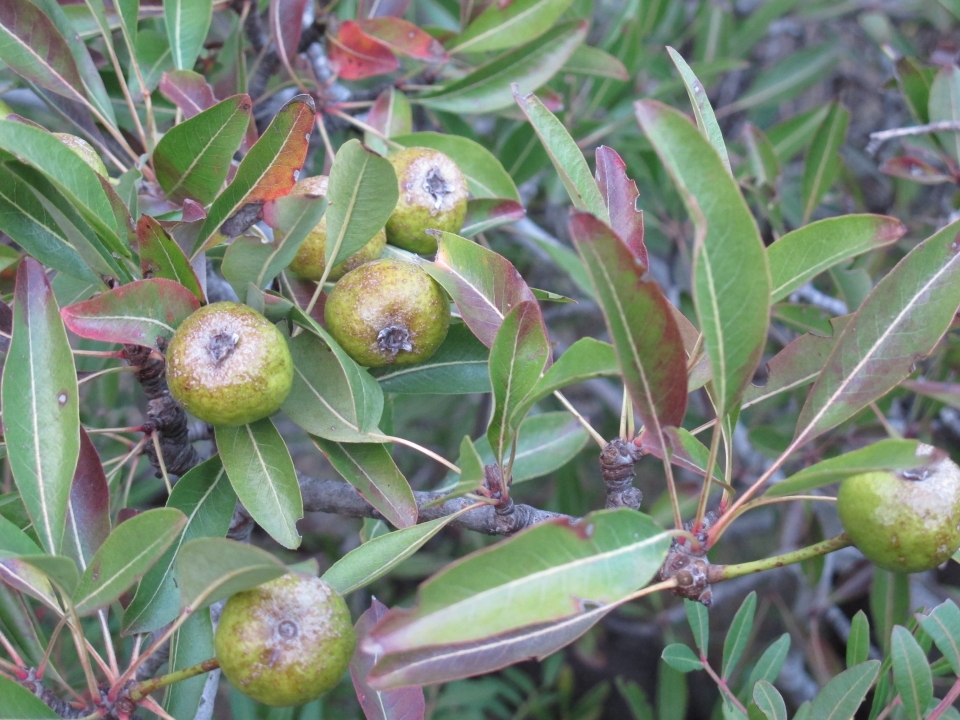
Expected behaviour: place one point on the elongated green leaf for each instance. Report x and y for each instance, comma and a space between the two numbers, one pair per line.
842, 696
769, 701
882, 455
41, 407
823, 159
594, 62
769, 665
731, 278
584, 360
554, 571
911, 673
702, 109
130, 550
18, 702
943, 625
192, 158
787, 78
545, 443
644, 332
459, 366
680, 657
187, 24
889, 604
363, 192
793, 134
332, 397
485, 175
61, 570
944, 106
517, 359
190, 645
371, 470
699, 622
519, 22
376, 558
900, 322
213, 569
487, 88
801, 255
31, 46
70, 174
204, 495
566, 157
267, 172
740, 630
858, 642
262, 474
472, 473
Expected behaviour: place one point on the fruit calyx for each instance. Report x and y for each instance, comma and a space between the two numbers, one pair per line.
222, 345
436, 186
394, 338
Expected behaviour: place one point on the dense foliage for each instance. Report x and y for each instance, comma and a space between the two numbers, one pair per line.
708, 269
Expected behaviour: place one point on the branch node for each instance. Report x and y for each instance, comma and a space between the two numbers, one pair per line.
618, 467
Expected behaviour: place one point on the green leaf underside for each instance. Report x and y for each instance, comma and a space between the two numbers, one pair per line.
261, 472
731, 277
555, 571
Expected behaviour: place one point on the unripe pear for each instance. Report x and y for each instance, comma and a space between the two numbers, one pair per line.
388, 312
229, 365
905, 521
433, 195
286, 642
310, 260
85, 150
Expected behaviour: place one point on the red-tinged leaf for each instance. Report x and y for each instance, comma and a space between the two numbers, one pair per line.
946, 392
454, 662
286, 25
900, 322
404, 37
382, 8
620, 194
161, 257
137, 313
406, 703
31, 46
487, 213
355, 55
391, 115
188, 90
40, 405
88, 511
915, 169
641, 324
267, 172
483, 284
193, 211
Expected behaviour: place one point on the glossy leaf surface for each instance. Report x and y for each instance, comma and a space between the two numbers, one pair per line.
187, 22
213, 569
88, 510
161, 256
620, 194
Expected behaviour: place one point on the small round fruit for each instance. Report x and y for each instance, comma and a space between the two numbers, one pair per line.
388, 312
433, 194
286, 642
85, 150
906, 521
229, 365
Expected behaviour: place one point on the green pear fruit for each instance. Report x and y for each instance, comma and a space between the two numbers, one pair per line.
388, 312
85, 150
906, 521
229, 365
310, 260
286, 642
433, 195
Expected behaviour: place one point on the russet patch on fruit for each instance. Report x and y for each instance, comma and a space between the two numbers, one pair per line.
229, 365
286, 642
388, 312
906, 521
433, 195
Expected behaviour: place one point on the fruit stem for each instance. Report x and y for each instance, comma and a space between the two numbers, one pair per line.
718, 573
142, 689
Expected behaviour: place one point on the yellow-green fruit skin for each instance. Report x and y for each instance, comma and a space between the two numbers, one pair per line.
310, 260
903, 525
229, 365
388, 312
433, 194
85, 150
286, 642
